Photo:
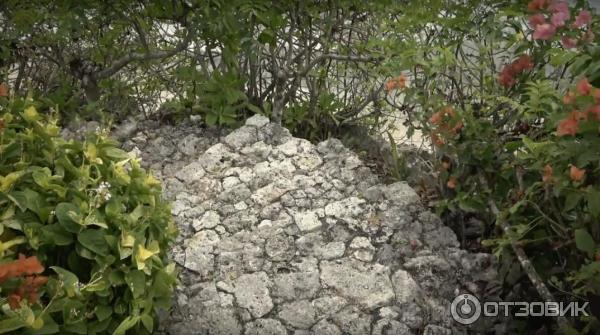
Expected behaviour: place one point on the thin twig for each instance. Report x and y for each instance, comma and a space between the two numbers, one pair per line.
526, 265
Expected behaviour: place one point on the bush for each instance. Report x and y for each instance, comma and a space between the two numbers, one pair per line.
84, 232
510, 97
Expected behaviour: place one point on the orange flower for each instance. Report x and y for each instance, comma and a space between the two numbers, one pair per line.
448, 110
567, 126
595, 112
523, 63
27, 290
390, 85
401, 81
506, 77
547, 176
14, 301
3, 90
437, 141
577, 115
22, 266
396, 83
436, 118
451, 183
457, 127
569, 98
584, 87
536, 5
570, 125
576, 173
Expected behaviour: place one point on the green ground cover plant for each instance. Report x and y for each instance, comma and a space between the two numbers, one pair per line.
83, 232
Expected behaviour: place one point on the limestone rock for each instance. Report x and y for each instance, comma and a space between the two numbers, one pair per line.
298, 314
252, 292
307, 221
280, 236
368, 285
265, 327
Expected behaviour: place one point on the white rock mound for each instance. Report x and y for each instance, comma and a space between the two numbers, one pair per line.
279, 236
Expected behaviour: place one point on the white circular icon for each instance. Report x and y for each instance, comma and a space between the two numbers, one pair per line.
465, 309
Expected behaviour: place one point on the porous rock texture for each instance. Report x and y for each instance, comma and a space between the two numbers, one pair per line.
280, 236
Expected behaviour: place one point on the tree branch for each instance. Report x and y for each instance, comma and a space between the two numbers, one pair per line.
137, 56
347, 58
526, 265
140, 31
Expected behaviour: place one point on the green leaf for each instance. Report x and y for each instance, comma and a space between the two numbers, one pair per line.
142, 254
65, 163
593, 203
113, 208
211, 119
43, 177
77, 327
535, 147
115, 153
93, 239
11, 324
579, 65
103, 312
266, 37
136, 280
148, 322
126, 324
16, 201
97, 285
136, 214
512, 146
74, 314
57, 234
593, 72
49, 327
116, 278
69, 217
468, 204
69, 280
98, 327
584, 241
93, 220
162, 283
571, 201
30, 114
254, 109
514, 208
34, 202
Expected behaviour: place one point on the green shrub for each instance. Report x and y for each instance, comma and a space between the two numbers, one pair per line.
512, 108
95, 221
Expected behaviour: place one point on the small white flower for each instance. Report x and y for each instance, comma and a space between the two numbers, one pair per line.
103, 187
